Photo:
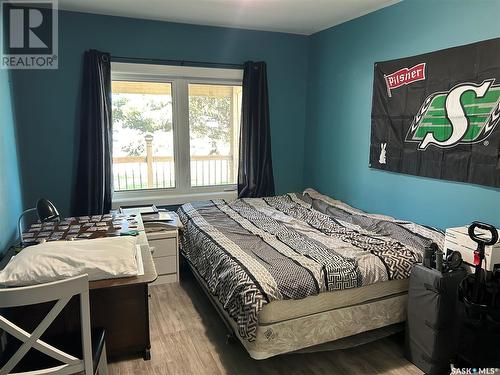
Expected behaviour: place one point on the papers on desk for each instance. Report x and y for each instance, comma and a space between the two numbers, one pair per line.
103, 258
159, 216
151, 209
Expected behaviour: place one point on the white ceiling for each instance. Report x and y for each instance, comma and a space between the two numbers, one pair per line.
291, 16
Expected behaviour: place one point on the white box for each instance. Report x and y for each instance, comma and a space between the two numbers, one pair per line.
457, 239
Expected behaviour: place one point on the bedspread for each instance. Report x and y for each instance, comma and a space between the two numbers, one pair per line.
252, 251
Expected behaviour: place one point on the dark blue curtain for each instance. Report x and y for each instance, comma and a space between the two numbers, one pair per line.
94, 178
255, 173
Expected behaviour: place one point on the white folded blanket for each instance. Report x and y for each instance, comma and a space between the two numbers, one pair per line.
102, 258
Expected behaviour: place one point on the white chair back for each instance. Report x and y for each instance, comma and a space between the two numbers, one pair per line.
62, 292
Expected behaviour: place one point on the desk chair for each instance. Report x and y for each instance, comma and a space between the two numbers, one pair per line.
44, 358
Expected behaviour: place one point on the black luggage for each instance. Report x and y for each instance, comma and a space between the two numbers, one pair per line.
431, 334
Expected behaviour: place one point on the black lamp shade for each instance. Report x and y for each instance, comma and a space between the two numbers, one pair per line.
46, 210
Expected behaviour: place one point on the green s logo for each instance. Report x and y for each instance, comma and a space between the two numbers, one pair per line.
466, 114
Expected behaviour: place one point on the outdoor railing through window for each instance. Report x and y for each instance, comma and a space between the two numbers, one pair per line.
158, 172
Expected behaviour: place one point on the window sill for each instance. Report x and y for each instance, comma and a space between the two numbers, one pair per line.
160, 198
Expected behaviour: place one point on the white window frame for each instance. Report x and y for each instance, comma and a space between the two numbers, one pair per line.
179, 77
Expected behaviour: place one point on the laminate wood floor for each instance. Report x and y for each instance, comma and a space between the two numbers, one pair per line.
188, 337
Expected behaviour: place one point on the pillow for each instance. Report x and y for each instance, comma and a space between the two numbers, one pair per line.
323, 203
102, 258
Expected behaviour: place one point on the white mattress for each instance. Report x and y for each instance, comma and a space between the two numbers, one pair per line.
288, 326
278, 311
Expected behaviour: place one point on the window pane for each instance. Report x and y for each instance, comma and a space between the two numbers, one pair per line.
214, 124
143, 149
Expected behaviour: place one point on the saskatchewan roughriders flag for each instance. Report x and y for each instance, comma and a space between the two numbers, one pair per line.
436, 115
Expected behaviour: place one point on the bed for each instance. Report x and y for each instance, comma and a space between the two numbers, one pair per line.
298, 270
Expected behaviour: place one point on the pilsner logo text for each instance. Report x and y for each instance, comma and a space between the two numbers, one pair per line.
404, 76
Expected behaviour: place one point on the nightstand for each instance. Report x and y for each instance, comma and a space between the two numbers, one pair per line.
163, 239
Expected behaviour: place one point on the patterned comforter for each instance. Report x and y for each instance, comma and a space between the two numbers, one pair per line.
256, 250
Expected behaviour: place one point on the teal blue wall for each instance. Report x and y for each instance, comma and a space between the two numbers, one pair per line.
47, 101
10, 192
330, 73
339, 104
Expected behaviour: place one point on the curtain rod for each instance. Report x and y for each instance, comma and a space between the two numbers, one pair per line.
176, 62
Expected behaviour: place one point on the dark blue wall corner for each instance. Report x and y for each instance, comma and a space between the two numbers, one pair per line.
10, 188
339, 106
47, 102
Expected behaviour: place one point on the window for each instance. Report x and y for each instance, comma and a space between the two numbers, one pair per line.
175, 132
214, 119
143, 147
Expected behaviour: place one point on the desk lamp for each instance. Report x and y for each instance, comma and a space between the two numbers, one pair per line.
46, 211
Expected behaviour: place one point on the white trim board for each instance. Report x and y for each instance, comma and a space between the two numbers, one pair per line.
119, 69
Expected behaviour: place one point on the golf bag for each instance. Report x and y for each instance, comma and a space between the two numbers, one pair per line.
479, 341
479, 294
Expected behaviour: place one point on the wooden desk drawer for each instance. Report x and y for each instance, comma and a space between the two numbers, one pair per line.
164, 247
165, 265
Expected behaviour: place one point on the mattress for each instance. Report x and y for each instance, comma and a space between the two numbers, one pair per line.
283, 310
329, 326
345, 323
266, 260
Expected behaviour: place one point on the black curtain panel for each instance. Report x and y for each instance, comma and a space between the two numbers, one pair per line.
93, 182
255, 174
